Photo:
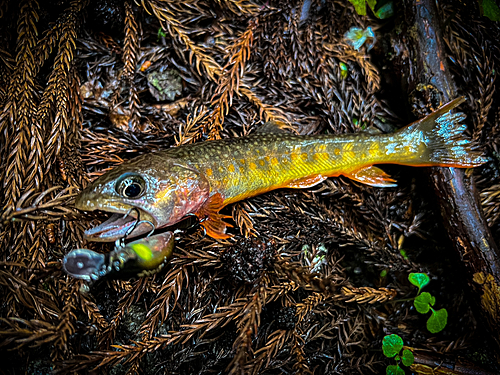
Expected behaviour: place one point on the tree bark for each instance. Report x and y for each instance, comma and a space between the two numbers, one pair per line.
424, 69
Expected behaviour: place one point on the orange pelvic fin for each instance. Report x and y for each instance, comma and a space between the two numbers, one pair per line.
372, 176
302, 183
211, 219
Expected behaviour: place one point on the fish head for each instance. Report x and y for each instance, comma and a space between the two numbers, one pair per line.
149, 192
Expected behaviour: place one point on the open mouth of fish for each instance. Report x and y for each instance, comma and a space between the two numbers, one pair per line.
131, 224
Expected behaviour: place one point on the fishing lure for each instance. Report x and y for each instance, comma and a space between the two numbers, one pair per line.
143, 257
199, 179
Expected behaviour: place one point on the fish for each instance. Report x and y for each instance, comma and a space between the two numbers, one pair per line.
160, 189
143, 257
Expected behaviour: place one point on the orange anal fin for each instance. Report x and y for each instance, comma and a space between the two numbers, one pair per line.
302, 183
372, 176
211, 219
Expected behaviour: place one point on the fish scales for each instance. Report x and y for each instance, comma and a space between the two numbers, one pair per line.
243, 167
159, 189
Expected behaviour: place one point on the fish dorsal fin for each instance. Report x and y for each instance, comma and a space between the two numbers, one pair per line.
274, 127
302, 183
372, 176
211, 219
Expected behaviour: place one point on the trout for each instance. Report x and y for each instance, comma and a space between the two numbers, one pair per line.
159, 189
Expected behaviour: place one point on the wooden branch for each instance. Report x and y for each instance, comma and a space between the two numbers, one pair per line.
425, 65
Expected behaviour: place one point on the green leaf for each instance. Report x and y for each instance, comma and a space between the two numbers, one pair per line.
394, 370
392, 345
384, 9
419, 280
408, 357
359, 6
423, 302
161, 33
371, 4
490, 9
344, 70
437, 321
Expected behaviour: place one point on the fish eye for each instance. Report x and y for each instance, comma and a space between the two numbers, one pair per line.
131, 186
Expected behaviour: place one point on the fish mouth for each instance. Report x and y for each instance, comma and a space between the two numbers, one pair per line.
132, 223
127, 220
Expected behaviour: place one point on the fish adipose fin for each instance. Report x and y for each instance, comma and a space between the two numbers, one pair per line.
211, 219
372, 176
442, 134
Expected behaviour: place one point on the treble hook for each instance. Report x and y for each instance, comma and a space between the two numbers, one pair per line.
120, 243
137, 220
150, 223
129, 211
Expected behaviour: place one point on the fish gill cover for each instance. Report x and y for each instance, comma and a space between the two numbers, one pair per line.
312, 280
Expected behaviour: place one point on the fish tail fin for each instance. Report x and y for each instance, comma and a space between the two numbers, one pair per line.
442, 133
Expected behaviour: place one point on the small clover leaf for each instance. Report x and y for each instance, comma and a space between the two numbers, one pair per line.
419, 280
392, 345
423, 302
437, 320
394, 370
408, 357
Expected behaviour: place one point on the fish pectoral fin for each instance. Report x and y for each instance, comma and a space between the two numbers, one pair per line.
372, 176
302, 183
215, 227
211, 219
